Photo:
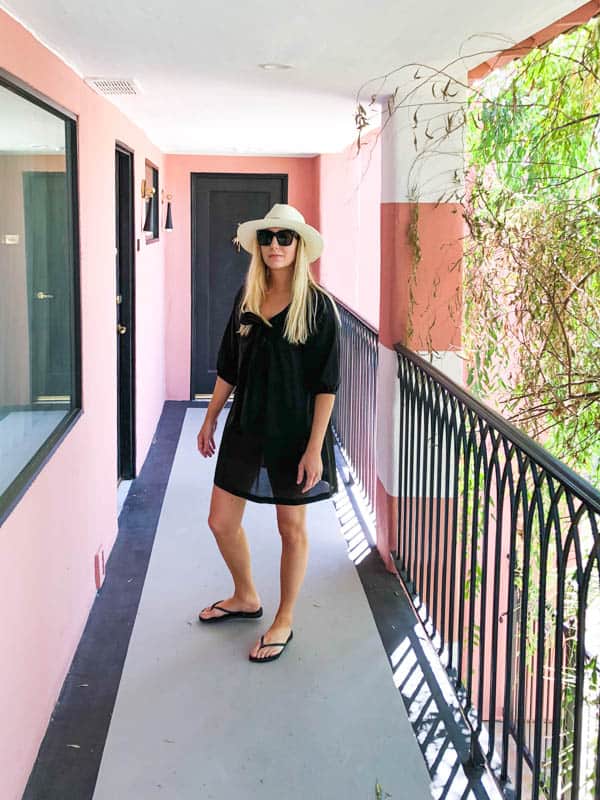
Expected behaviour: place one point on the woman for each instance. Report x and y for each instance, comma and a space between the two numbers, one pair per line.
280, 350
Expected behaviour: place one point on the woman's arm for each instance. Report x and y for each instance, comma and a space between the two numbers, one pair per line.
206, 435
323, 408
219, 397
311, 461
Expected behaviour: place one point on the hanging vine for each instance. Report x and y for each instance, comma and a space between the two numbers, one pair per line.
530, 196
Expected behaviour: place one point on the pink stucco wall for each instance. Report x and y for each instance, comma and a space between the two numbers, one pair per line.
302, 193
350, 195
48, 543
338, 193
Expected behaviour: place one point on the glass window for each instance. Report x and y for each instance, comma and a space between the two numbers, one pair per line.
39, 331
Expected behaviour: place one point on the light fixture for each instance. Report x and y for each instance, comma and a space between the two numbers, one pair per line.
168, 216
148, 193
275, 66
148, 221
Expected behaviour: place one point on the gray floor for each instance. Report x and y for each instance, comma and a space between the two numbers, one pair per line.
195, 719
122, 492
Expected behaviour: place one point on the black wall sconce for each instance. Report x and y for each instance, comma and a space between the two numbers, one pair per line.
169, 215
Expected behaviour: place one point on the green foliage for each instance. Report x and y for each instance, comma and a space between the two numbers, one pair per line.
532, 275
413, 237
531, 325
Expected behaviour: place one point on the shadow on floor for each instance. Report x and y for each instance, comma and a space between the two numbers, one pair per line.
418, 674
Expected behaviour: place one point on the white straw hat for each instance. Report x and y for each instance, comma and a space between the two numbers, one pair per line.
282, 216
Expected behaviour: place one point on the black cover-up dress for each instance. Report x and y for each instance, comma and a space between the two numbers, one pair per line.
269, 423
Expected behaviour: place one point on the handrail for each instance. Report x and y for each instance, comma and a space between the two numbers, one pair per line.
579, 485
498, 544
355, 314
354, 412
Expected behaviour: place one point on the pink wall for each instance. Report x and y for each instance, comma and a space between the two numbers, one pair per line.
47, 544
350, 196
302, 193
435, 320
339, 194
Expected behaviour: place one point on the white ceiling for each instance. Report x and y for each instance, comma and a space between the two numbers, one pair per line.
196, 62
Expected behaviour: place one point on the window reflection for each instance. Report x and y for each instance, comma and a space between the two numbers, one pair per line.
36, 281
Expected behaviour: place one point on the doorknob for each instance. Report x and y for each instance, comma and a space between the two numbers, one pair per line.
121, 328
43, 296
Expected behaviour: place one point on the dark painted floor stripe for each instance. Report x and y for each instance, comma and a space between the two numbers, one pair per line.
83, 712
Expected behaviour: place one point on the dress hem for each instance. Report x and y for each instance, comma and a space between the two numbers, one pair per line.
275, 501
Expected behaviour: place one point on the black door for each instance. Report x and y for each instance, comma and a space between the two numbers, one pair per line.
125, 316
219, 203
48, 286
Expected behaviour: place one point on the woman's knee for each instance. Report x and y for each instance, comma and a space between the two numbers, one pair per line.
292, 525
294, 534
222, 526
225, 513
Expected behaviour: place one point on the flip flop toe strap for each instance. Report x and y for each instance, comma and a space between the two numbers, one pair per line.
220, 608
271, 644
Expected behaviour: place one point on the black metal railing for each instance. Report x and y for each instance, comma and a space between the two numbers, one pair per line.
353, 416
499, 546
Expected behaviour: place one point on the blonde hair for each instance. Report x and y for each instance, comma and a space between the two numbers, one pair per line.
301, 316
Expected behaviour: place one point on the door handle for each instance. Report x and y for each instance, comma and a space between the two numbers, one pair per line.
121, 328
43, 296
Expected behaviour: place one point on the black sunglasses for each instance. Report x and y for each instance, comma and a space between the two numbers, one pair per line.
284, 238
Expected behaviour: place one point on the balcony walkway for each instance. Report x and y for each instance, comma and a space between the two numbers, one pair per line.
193, 718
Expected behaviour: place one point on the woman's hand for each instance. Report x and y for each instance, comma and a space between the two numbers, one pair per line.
206, 441
311, 464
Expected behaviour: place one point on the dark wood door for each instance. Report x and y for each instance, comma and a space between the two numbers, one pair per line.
48, 285
125, 313
219, 203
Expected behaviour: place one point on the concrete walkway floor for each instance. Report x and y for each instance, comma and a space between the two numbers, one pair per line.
157, 705
195, 719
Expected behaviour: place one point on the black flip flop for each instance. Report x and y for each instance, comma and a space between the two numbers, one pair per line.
270, 644
231, 614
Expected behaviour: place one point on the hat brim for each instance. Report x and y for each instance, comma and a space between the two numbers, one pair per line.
313, 241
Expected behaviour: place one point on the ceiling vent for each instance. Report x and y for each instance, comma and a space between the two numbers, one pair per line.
112, 86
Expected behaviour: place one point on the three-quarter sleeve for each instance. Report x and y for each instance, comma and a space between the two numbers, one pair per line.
227, 357
322, 351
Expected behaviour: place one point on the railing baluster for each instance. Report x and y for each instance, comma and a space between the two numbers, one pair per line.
486, 451
353, 416
427, 489
473, 544
518, 537
446, 605
437, 437
500, 485
456, 428
515, 557
412, 494
509, 685
463, 552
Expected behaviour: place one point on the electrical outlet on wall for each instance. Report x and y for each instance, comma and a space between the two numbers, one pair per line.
99, 567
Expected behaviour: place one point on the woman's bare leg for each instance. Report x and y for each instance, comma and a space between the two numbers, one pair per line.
225, 517
291, 521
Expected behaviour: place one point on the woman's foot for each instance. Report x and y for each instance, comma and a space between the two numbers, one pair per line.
278, 632
231, 604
